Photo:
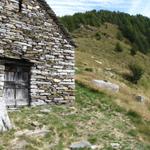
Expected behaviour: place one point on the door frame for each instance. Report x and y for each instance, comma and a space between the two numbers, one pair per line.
19, 62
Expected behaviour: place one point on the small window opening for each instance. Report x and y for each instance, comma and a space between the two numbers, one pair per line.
20, 5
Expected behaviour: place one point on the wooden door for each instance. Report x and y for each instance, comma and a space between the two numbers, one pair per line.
16, 85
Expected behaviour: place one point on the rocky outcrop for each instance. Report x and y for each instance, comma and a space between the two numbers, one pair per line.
141, 98
80, 145
107, 85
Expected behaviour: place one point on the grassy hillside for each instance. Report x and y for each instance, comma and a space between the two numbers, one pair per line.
97, 59
93, 117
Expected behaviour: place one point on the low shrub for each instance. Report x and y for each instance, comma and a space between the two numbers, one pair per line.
134, 116
133, 50
136, 73
118, 47
98, 36
89, 69
119, 36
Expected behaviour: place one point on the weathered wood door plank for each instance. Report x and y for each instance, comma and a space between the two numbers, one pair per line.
16, 88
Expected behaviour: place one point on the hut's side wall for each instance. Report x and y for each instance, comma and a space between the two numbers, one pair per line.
33, 35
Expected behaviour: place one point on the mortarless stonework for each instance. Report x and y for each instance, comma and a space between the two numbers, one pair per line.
35, 35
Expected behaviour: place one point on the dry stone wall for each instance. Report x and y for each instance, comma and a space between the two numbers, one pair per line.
33, 35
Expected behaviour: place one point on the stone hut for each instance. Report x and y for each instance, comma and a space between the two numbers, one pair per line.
36, 55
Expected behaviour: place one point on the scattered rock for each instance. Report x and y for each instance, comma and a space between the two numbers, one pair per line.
108, 69
37, 132
115, 145
109, 73
107, 85
35, 124
99, 62
20, 133
45, 111
39, 115
38, 103
57, 80
13, 109
88, 27
94, 147
79, 145
140, 98
18, 144
76, 68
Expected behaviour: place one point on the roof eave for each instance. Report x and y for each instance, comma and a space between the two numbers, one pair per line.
48, 9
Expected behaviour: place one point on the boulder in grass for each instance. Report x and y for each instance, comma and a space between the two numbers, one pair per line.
80, 145
45, 111
115, 146
107, 85
140, 98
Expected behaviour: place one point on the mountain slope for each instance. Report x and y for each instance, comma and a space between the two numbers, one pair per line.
135, 28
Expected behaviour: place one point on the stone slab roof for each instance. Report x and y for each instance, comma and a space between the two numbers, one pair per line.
56, 20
